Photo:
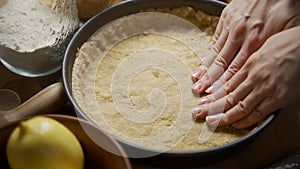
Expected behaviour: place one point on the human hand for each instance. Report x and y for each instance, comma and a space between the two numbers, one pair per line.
243, 27
269, 80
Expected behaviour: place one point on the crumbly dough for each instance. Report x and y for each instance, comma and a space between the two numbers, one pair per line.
140, 88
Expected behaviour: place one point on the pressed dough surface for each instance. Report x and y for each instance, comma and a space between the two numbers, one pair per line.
149, 107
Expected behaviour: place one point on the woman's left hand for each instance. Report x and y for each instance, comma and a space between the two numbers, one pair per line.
269, 80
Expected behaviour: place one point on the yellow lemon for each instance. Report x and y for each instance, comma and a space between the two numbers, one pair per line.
43, 143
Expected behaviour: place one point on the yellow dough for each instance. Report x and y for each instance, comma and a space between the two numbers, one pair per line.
140, 89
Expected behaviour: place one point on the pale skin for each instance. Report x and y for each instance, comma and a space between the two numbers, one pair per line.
251, 68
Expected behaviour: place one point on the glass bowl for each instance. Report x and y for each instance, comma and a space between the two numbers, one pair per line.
34, 34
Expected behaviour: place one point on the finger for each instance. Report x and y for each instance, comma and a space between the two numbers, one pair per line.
226, 102
231, 85
219, 37
217, 43
199, 88
214, 50
221, 62
233, 42
258, 114
209, 57
215, 46
198, 73
244, 53
205, 62
218, 32
203, 109
227, 75
239, 111
220, 25
249, 46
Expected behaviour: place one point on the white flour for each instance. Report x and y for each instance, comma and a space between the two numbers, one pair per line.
28, 25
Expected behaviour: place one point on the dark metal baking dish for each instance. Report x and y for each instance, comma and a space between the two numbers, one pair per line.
171, 159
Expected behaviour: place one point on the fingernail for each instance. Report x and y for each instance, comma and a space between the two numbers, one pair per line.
213, 120
197, 112
197, 74
197, 86
203, 100
210, 89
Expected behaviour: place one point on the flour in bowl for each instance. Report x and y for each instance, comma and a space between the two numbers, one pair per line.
28, 25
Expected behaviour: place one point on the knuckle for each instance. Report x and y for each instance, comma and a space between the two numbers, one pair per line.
228, 88
214, 39
205, 60
233, 68
226, 119
257, 25
222, 81
253, 41
221, 61
256, 94
214, 52
269, 88
225, 12
243, 72
207, 79
239, 29
230, 100
257, 115
242, 107
208, 57
216, 48
252, 61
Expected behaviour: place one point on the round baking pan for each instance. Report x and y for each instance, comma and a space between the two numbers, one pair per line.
173, 159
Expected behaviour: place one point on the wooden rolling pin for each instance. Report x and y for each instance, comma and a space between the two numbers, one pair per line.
48, 100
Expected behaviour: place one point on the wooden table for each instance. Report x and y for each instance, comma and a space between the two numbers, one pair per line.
280, 138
